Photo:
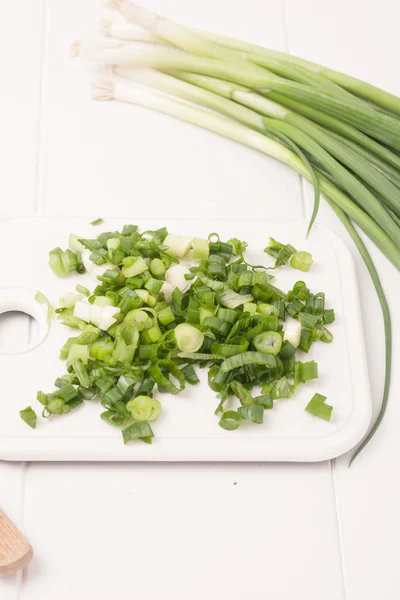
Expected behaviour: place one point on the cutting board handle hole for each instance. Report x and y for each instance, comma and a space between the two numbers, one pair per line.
23, 324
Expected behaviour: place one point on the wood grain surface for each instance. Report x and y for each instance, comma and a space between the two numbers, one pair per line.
15, 550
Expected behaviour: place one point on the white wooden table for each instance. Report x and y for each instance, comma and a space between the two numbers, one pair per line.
184, 531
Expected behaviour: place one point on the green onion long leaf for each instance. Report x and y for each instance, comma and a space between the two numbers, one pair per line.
386, 322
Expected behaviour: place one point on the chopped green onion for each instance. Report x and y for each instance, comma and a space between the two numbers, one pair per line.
199, 356
306, 371
178, 245
157, 267
250, 307
55, 262
287, 350
82, 290
166, 316
216, 286
230, 420
113, 243
164, 383
248, 358
29, 416
190, 374
56, 406
139, 318
146, 297
201, 248
301, 260
252, 412
97, 222
329, 316
269, 342
216, 325
81, 373
268, 309
74, 243
204, 313
39, 297
153, 285
325, 335
318, 408
67, 392
222, 249
103, 301
144, 408
238, 247
152, 335
42, 398
227, 309
129, 229
78, 352
282, 388
101, 349
74, 403
231, 299
138, 431
133, 265
227, 314
124, 352
113, 417
292, 332
216, 267
281, 253
242, 393
69, 261
226, 350
265, 400
308, 320
188, 338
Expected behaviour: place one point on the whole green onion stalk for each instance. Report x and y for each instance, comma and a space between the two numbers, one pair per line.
387, 323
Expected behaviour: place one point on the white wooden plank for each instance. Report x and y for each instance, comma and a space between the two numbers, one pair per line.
106, 158
363, 44
182, 531
20, 49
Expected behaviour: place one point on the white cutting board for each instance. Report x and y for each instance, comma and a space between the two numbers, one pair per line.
188, 428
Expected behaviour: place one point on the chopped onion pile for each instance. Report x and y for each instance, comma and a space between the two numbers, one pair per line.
150, 319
